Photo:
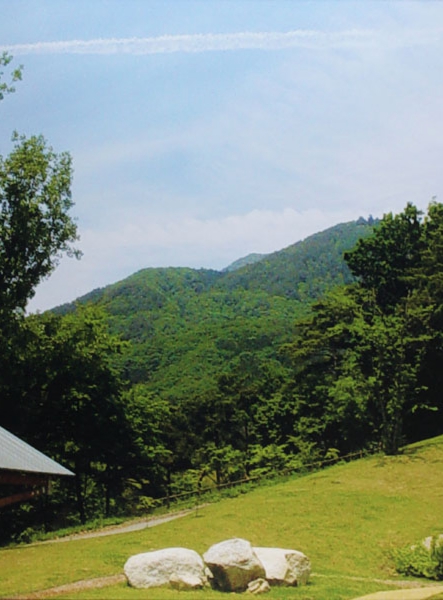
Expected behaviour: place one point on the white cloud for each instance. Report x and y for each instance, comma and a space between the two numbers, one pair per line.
200, 241
207, 42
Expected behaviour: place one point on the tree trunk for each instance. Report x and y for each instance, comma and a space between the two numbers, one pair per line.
80, 498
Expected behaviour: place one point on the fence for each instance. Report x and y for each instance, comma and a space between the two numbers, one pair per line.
198, 493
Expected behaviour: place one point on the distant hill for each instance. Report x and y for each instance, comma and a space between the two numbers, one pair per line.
250, 259
186, 325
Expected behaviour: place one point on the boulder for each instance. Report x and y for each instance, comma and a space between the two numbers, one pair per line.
258, 586
284, 567
435, 541
233, 565
178, 568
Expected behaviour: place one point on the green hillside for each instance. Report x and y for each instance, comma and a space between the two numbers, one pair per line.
305, 270
186, 325
348, 519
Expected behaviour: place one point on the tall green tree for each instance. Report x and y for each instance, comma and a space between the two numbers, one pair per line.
36, 228
328, 407
64, 397
80, 408
150, 458
391, 357
383, 261
362, 361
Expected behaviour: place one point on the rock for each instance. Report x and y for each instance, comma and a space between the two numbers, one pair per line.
185, 581
436, 540
233, 565
258, 586
178, 568
284, 567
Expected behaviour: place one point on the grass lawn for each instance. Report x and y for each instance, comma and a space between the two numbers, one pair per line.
347, 519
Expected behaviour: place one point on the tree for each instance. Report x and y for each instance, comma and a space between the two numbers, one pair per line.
382, 261
391, 356
35, 227
149, 420
63, 395
76, 396
14, 75
361, 360
328, 402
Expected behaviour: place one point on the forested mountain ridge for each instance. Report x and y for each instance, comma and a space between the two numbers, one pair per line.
185, 325
305, 270
319, 256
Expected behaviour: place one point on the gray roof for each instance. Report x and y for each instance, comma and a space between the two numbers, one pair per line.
17, 455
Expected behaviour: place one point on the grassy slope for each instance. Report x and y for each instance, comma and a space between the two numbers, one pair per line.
346, 518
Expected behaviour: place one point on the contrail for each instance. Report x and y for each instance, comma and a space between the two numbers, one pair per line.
209, 42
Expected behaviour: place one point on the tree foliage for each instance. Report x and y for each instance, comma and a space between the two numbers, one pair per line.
383, 261
35, 225
13, 74
370, 346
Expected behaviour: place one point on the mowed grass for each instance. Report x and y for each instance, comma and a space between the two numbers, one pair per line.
347, 518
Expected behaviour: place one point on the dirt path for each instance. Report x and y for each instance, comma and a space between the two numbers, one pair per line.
125, 528
417, 594
68, 588
403, 584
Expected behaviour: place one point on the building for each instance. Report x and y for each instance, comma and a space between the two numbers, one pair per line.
23, 466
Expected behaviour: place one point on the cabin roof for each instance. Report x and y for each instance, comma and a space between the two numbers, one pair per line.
17, 455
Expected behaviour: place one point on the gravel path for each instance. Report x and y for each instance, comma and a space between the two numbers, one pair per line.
117, 529
411, 594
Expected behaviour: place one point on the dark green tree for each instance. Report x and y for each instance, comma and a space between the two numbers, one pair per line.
69, 399
328, 409
149, 462
391, 357
383, 261
361, 374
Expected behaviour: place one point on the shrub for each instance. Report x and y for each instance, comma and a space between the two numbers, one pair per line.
424, 559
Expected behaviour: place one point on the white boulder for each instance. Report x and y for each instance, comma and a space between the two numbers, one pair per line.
258, 586
233, 565
284, 567
435, 541
178, 568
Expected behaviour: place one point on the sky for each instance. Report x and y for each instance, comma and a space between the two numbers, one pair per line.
201, 131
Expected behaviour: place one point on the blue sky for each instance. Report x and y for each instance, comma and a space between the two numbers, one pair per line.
202, 131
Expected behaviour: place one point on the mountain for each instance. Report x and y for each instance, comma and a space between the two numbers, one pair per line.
186, 326
250, 259
305, 270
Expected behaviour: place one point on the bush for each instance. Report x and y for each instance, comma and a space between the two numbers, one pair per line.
146, 504
424, 559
